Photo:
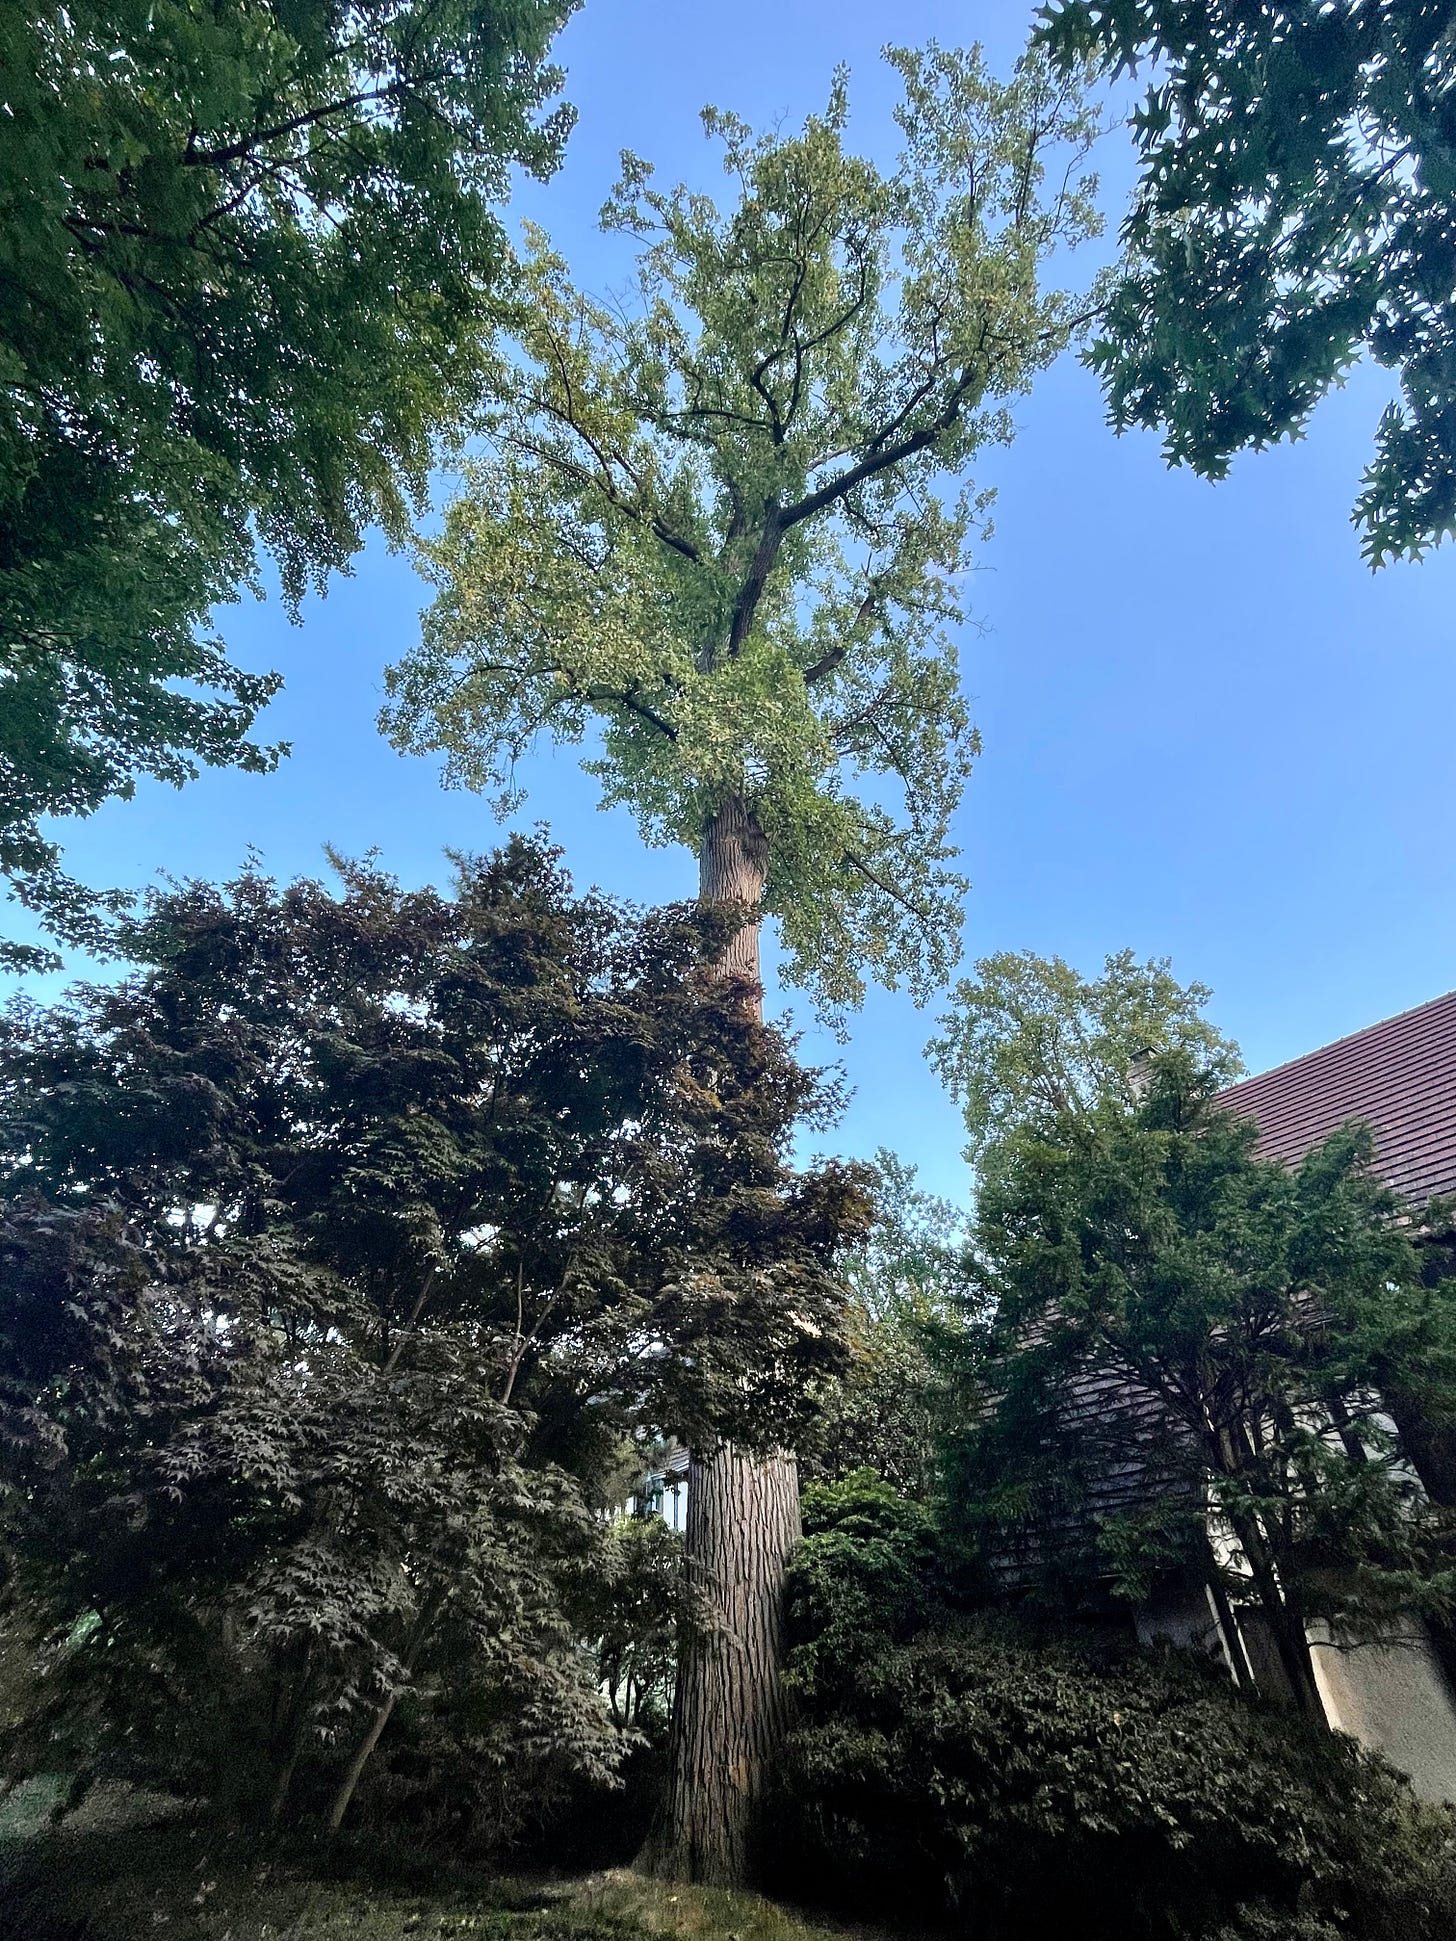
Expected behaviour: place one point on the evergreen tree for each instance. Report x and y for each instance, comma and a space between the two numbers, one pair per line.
1185, 1364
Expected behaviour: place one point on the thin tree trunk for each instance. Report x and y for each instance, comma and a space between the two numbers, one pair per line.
291, 1734
742, 1524
354, 1771
283, 1784
1231, 1451
364, 1752
1430, 1448
1284, 1617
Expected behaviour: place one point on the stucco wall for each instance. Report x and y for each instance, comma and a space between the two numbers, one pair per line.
1394, 1697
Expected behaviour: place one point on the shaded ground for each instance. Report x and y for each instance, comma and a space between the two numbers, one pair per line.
124, 1867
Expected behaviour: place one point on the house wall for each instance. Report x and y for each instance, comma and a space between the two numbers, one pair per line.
1394, 1698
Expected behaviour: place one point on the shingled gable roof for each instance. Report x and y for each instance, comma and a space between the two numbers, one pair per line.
1399, 1076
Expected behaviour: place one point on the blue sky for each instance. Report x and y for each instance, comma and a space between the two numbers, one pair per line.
1209, 731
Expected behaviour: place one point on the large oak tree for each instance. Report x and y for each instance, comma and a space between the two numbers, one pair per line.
719, 527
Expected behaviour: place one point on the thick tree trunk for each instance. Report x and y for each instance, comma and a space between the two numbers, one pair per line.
729, 1715
733, 868
1284, 1618
1430, 1448
742, 1524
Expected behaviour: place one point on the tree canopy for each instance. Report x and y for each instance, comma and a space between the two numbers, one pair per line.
1294, 210
245, 261
712, 520
1030, 1041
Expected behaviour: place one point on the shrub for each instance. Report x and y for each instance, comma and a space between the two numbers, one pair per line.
943, 1765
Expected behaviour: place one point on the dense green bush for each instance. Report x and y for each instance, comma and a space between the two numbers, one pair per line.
945, 1766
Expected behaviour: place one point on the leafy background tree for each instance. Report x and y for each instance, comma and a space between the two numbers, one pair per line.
644, 1602
1293, 212
1029, 1042
909, 1286
712, 525
247, 260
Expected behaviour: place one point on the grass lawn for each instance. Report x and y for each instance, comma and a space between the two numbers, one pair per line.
122, 1868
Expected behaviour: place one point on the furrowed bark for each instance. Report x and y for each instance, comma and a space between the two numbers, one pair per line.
742, 1524
733, 868
729, 1711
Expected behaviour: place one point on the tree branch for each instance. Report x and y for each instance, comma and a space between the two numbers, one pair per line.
895, 895
626, 698
880, 458
826, 664
235, 151
746, 605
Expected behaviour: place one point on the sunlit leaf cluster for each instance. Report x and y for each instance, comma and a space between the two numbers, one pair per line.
245, 254
1030, 1041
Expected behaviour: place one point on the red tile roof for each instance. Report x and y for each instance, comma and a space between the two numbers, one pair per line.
1399, 1076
